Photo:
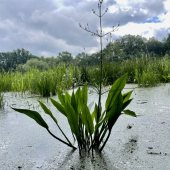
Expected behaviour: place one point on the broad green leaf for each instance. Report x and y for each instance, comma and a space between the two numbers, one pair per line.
67, 97
126, 104
115, 111
77, 94
94, 114
61, 97
34, 115
77, 98
130, 113
59, 106
47, 111
101, 117
90, 105
114, 92
84, 95
72, 119
126, 96
74, 103
87, 119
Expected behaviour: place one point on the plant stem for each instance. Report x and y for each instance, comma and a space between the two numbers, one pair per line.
60, 139
99, 102
105, 141
64, 134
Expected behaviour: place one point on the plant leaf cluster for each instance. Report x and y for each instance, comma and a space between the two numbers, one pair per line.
89, 129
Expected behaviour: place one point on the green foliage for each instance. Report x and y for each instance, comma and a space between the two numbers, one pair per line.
11, 60
149, 71
145, 70
82, 123
34, 115
35, 63
84, 74
167, 78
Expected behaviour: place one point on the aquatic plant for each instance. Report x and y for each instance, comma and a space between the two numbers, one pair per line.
1, 99
167, 78
91, 130
148, 71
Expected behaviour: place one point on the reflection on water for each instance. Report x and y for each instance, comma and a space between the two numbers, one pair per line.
23, 143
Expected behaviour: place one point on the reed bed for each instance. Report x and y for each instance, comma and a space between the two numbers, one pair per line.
145, 71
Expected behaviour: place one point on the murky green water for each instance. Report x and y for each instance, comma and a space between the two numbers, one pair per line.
141, 143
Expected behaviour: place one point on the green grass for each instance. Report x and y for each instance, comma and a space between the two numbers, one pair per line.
145, 71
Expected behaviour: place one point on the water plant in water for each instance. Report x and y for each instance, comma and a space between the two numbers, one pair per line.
91, 130
167, 78
1, 99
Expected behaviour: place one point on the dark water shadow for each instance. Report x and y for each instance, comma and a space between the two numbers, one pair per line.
85, 161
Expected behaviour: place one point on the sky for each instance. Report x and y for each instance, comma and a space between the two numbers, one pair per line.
48, 27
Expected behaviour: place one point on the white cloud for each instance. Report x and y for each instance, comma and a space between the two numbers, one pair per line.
167, 5
113, 9
52, 27
144, 11
47, 54
144, 29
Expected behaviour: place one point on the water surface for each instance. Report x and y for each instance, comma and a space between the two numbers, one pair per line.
141, 143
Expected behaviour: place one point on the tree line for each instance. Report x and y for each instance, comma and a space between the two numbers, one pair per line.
127, 47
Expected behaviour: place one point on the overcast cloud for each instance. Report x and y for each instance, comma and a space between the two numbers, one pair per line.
47, 27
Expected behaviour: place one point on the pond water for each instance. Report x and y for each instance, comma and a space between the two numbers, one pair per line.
141, 143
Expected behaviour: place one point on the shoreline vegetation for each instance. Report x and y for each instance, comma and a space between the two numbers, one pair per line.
144, 71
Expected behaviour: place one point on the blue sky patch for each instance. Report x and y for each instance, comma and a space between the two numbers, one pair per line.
152, 20
165, 12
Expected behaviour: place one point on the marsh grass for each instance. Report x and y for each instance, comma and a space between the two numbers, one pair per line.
145, 71
149, 71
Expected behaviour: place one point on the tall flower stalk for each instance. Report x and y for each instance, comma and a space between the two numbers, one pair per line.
100, 34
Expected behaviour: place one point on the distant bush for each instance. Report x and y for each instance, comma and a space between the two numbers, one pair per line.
35, 63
